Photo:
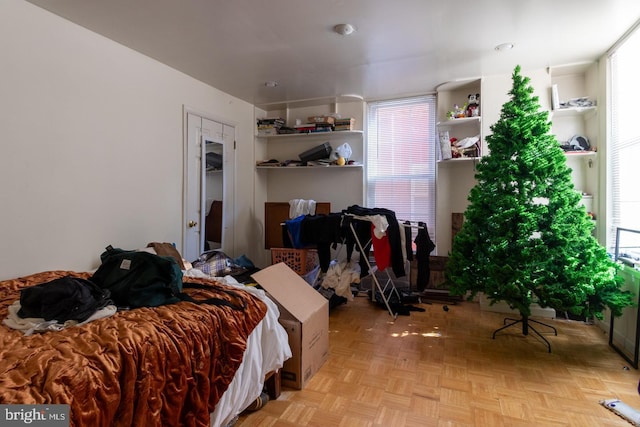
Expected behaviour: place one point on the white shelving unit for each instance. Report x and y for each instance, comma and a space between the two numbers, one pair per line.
289, 146
460, 128
342, 186
292, 168
574, 112
579, 81
455, 176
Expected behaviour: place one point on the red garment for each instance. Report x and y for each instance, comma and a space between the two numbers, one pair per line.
381, 250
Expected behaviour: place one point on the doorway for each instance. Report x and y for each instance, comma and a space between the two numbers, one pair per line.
209, 186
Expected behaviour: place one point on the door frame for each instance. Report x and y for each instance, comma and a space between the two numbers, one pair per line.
228, 231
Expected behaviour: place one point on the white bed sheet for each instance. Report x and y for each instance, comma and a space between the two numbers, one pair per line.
267, 349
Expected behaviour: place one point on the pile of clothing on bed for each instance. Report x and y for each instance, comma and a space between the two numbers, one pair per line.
125, 279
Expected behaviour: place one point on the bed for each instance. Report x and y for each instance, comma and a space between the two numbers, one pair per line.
174, 365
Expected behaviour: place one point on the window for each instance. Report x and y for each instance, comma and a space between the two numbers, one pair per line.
401, 162
623, 174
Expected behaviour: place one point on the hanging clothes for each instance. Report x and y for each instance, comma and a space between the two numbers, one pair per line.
321, 231
392, 231
381, 250
293, 231
299, 207
408, 248
424, 247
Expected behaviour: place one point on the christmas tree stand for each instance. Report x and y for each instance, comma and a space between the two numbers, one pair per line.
525, 328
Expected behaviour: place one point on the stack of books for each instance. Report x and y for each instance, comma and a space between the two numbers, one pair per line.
324, 127
269, 126
314, 127
305, 127
344, 124
323, 123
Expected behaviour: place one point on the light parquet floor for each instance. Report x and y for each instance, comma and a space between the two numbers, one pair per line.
442, 368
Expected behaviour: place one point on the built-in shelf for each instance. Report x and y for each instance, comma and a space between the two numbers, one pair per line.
312, 134
460, 159
460, 121
573, 111
580, 153
308, 167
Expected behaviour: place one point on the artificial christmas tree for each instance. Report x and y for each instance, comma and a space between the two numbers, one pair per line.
526, 237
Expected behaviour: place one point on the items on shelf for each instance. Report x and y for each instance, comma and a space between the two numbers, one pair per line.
473, 105
306, 128
314, 124
322, 120
576, 143
344, 124
457, 112
451, 147
322, 151
445, 146
582, 102
471, 108
269, 126
269, 163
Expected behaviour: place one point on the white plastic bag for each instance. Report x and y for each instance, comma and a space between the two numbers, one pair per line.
343, 151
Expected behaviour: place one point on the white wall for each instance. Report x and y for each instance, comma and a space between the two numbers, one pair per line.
91, 145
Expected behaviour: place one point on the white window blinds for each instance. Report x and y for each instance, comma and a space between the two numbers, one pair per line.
623, 150
401, 150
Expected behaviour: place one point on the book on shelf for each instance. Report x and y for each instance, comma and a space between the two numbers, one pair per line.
305, 127
269, 163
321, 162
344, 124
267, 131
276, 121
268, 127
292, 163
321, 119
323, 127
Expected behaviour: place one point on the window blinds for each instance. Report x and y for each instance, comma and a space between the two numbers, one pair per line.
623, 174
401, 150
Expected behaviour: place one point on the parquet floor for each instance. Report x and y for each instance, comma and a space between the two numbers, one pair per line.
442, 368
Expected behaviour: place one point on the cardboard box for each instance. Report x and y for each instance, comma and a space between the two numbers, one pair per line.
304, 314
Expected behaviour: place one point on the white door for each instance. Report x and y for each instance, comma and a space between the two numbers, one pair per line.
199, 130
229, 159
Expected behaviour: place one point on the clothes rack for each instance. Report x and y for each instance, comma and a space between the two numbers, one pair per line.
362, 228
389, 288
372, 271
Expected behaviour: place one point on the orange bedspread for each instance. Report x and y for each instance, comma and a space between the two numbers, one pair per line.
164, 366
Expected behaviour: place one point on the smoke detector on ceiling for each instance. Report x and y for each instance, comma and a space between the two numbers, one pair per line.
504, 46
344, 29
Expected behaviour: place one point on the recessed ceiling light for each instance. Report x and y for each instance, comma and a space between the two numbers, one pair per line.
504, 46
344, 29
271, 83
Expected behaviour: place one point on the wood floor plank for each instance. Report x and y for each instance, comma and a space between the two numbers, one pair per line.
443, 368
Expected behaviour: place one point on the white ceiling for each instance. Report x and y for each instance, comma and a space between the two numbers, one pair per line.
401, 47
